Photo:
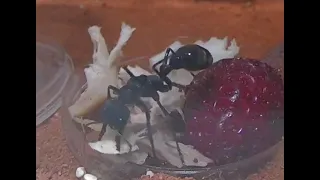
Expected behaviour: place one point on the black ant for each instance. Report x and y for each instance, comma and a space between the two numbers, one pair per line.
116, 114
191, 57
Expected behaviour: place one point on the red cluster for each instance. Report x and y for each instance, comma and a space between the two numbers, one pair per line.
234, 109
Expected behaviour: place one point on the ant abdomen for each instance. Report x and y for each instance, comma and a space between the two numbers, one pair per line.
191, 57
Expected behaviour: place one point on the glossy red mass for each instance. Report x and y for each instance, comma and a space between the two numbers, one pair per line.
234, 109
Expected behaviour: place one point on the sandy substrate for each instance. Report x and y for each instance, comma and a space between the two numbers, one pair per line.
55, 161
257, 27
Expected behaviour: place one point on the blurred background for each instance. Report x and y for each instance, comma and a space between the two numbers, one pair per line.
257, 26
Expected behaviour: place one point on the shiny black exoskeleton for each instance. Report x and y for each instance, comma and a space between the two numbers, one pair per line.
190, 57
115, 112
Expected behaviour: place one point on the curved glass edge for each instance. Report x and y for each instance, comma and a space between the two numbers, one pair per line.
57, 83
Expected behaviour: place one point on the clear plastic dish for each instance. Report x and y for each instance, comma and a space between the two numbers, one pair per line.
53, 70
118, 168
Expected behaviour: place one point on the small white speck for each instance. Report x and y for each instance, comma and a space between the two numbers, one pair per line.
234, 97
252, 79
80, 171
251, 65
239, 130
199, 134
225, 116
215, 103
89, 177
150, 173
264, 90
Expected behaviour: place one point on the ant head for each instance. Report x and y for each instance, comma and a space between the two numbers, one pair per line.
165, 69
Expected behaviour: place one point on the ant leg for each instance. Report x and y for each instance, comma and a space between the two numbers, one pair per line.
155, 65
172, 84
164, 79
166, 56
169, 82
128, 71
157, 99
103, 130
179, 86
163, 61
114, 89
144, 108
118, 141
129, 144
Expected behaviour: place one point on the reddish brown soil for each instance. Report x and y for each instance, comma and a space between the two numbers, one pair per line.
55, 161
257, 27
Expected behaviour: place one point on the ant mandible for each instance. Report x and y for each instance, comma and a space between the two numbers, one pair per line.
116, 114
191, 57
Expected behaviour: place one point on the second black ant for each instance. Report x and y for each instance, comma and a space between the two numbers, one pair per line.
191, 57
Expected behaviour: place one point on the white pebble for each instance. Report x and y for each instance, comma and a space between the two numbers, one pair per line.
150, 173
89, 177
80, 172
